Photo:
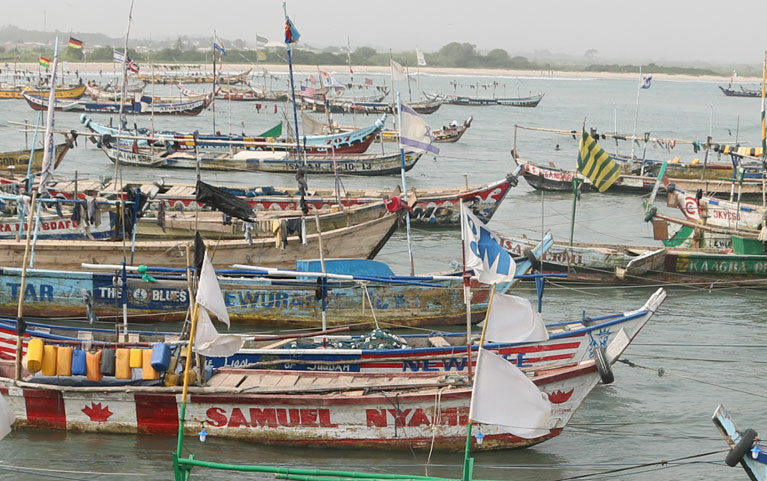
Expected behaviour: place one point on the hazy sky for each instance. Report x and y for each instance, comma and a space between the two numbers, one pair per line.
679, 30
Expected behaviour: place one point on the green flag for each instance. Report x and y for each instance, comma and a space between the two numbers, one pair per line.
275, 131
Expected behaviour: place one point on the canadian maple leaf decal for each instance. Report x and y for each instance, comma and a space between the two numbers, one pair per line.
558, 397
97, 413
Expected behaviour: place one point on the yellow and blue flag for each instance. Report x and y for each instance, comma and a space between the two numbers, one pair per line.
596, 164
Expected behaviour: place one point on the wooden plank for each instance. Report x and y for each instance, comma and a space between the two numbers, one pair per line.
439, 341
287, 380
278, 344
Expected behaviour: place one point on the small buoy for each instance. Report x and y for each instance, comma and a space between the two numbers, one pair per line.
147, 371
479, 437
203, 435
122, 364
49, 361
136, 357
78, 363
160, 357
93, 365
64, 361
35, 355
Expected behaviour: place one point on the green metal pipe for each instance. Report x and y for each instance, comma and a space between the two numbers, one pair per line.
297, 477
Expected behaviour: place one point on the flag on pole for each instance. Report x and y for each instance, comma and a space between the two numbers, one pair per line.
329, 81
7, 417
312, 79
398, 72
484, 255
208, 341
368, 81
118, 56
291, 33
646, 82
74, 43
260, 39
45, 62
513, 319
414, 133
219, 48
49, 165
307, 92
419, 56
503, 395
132, 66
594, 163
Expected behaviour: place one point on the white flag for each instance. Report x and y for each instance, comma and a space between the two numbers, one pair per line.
397, 72
414, 133
6, 418
419, 56
209, 292
208, 342
513, 319
484, 255
49, 164
504, 396
310, 125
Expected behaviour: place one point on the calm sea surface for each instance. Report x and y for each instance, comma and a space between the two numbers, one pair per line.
709, 345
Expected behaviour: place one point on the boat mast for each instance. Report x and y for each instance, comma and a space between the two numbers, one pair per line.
292, 84
404, 185
121, 115
636, 115
764, 132
213, 100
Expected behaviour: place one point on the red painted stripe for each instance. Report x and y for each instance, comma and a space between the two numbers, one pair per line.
156, 413
45, 409
3, 391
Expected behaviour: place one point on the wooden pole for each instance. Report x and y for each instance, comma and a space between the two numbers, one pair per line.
20, 327
322, 264
187, 367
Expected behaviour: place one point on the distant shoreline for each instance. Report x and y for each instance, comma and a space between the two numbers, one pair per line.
362, 70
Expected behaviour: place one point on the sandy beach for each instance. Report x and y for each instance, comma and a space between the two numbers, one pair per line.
107, 68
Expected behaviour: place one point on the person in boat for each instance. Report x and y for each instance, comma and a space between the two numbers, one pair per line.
557, 148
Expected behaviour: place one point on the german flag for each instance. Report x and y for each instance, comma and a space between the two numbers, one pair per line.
45, 62
74, 43
594, 163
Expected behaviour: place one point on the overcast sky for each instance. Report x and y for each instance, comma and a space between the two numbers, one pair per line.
678, 30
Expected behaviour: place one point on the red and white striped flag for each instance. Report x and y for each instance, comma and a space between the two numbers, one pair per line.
368, 81
307, 92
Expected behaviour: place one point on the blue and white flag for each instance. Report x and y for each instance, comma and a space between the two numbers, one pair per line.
484, 255
118, 56
414, 134
220, 48
646, 81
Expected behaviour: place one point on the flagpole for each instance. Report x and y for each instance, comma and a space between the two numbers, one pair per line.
764, 126
213, 100
292, 84
466, 287
636, 116
404, 186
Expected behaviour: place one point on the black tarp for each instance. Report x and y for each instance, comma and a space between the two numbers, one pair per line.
223, 201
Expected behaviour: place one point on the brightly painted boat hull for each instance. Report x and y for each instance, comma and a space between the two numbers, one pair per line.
19, 159
279, 416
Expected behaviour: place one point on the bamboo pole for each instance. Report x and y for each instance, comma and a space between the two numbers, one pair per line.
187, 367
20, 325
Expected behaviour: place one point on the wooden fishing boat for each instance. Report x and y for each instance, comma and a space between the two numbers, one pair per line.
257, 300
226, 92
675, 232
743, 92
358, 241
72, 92
719, 213
356, 141
341, 105
190, 107
609, 263
112, 93
52, 226
175, 224
195, 78
317, 409
265, 161
551, 178
446, 134
529, 101
19, 159
569, 342
432, 207
744, 446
